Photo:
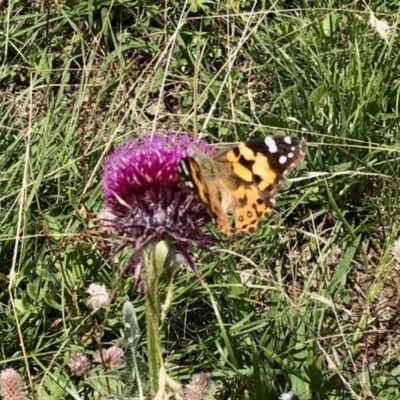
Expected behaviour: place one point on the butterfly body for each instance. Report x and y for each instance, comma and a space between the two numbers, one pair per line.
243, 178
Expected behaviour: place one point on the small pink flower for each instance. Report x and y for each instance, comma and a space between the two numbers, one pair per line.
197, 388
98, 296
110, 357
286, 396
79, 364
11, 387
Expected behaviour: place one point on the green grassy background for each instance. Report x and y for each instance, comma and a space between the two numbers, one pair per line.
308, 303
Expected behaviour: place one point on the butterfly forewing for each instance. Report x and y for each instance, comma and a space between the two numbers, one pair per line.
260, 167
198, 177
191, 178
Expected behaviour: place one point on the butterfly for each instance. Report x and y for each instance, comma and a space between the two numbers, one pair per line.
243, 178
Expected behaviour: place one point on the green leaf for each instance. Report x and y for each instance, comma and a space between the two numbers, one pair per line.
52, 303
341, 274
329, 24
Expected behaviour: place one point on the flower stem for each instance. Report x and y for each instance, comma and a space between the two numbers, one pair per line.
153, 263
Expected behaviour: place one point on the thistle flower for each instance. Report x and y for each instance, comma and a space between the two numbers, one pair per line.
98, 296
144, 202
79, 364
197, 388
110, 357
11, 386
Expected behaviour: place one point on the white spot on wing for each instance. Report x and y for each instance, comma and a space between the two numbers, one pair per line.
288, 140
184, 169
290, 155
293, 148
271, 144
189, 184
282, 159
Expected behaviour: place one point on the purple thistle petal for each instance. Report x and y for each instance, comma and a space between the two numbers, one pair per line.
145, 201
149, 160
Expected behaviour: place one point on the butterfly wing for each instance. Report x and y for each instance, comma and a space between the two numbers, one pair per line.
198, 176
244, 178
258, 170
